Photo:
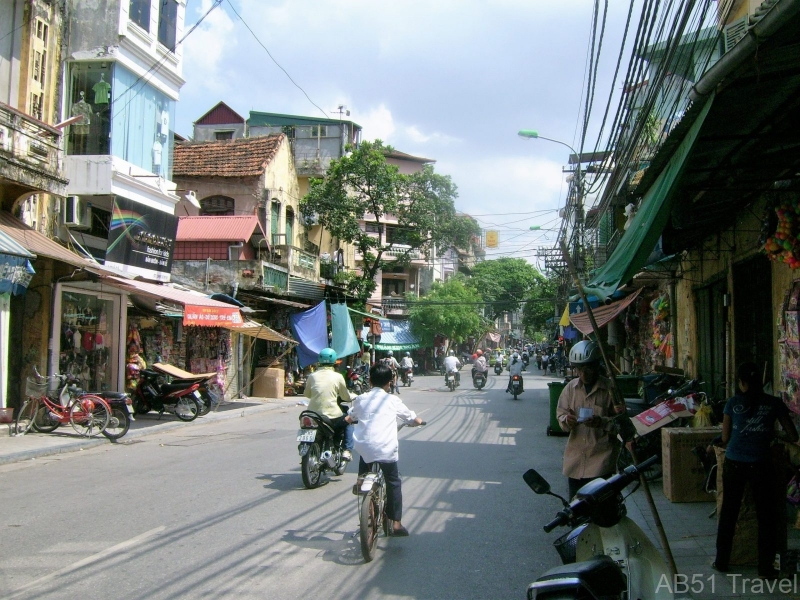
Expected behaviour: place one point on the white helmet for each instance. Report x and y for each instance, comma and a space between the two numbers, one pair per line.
584, 353
390, 353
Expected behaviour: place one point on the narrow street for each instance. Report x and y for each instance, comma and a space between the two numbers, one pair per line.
219, 510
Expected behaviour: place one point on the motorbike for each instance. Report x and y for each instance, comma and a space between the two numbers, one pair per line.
407, 375
605, 554
319, 448
515, 385
452, 380
210, 394
498, 368
357, 379
526, 360
181, 397
479, 379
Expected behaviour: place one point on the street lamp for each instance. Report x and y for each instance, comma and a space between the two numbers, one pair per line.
533, 134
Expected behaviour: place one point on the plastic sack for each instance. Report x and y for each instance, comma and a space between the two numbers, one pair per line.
704, 417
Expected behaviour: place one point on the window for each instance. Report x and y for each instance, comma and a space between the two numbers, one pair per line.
168, 23
139, 13
289, 227
397, 235
89, 96
223, 135
393, 287
372, 228
217, 206
319, 131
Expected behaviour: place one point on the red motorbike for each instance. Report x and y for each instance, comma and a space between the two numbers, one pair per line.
180, 397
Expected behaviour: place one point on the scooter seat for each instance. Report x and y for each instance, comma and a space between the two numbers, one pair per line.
600, 576
176, 386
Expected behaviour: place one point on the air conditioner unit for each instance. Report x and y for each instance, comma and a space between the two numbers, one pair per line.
77, 214
734, 31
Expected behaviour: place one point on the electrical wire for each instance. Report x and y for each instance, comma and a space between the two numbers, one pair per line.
327, 116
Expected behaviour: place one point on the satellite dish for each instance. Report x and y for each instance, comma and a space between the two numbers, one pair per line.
192, 198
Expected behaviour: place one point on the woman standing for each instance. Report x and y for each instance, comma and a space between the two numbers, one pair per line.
748, 428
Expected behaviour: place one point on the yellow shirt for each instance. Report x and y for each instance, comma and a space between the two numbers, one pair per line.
590, 451
323, 387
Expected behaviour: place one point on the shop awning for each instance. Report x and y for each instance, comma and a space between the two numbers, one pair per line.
260, 331
198, 308
602, 314
396, 336
640, 238
363, 314
38, 244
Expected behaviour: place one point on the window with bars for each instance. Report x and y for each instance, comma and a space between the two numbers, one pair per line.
217, 206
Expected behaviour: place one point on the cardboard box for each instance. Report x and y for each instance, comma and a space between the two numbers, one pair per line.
684, 476
268, 383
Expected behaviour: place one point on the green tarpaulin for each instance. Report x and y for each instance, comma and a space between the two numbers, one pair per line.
641, 237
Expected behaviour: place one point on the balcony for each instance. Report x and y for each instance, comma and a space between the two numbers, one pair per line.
394, 307
299, 262
32, 157
396, 251
222, 275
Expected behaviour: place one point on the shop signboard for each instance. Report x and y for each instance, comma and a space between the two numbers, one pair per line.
212, 316
141, 240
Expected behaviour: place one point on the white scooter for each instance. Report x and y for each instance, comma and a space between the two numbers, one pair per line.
605, 554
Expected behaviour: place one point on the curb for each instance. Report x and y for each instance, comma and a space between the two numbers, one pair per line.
79, 444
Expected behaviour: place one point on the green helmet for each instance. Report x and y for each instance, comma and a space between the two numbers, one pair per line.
327, 356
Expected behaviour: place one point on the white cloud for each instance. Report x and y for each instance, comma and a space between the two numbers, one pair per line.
209, 47
416, 136
378, 124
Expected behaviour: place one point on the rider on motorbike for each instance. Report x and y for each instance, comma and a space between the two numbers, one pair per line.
452, 364
324, 387
480, 365
514, 368
391, 362
407, 364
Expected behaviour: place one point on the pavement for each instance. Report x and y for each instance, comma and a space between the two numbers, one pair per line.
690, 527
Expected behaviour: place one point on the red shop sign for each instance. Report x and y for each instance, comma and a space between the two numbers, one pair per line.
212, 316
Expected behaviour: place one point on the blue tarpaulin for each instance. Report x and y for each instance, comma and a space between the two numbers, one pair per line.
344, 342
15, 274
311, 331
396, 336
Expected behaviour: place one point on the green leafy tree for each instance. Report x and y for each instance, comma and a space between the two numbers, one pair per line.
504, 284
362, 187
539, 307
450, 309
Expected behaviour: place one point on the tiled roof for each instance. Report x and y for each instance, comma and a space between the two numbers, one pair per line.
217, 229
247, 157
221, 114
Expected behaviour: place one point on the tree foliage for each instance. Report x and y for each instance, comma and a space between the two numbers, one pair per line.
362, 187
451, 309
540, 306
504, 284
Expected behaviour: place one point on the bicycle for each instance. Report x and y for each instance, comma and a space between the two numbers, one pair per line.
48, 406
371, 500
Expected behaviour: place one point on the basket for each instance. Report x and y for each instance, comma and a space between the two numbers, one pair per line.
37, 387
7, 415
567, 545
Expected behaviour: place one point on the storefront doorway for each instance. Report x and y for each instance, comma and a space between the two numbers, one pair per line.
711, 322
753, 322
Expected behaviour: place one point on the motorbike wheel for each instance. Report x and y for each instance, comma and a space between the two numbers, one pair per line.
204, 403
341, 466
140, 407
119, 423
310, 467
368, 526
43, 422
187, 408
516, 394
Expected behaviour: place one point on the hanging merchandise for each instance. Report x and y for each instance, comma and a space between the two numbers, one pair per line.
789, 347
86, 342
783, 245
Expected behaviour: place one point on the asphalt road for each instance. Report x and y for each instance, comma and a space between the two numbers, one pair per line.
218, 510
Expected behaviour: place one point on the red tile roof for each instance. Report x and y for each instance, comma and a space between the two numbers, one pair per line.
216, 229
246, 157
221, 114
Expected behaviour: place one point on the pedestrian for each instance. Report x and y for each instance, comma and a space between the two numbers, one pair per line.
539, 359
375, 416
545, 360
586, 409
748, 428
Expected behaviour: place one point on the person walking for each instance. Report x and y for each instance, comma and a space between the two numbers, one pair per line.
748, 428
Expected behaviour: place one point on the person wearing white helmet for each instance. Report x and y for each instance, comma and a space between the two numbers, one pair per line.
586, 410
452, 364
391, 362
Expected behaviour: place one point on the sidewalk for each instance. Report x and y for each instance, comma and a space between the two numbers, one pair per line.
65, 439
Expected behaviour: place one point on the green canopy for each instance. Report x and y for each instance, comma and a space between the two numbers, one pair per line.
640, 238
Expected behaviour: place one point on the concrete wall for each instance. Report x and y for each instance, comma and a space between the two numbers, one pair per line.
206, 133
11, 16
93, 24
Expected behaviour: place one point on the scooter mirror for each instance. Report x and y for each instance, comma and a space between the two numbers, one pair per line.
536, 482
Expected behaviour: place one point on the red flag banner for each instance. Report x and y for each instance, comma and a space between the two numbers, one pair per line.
211, 316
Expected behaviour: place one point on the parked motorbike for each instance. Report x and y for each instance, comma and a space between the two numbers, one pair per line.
515, 386
210, 394
357, 379
182, 397
605, 554
320, 449
479, 379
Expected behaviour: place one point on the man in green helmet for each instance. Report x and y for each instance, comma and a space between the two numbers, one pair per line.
324, 388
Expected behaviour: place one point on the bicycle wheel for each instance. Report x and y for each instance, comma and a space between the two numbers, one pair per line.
44, 421
118, 424
25, 417
368, 526
187, 408
89, 415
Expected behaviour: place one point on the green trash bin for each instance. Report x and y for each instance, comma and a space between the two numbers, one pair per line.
555, 391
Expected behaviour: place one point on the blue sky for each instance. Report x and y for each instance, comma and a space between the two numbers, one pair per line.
452, 80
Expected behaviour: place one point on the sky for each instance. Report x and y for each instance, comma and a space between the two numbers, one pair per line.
450, 80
